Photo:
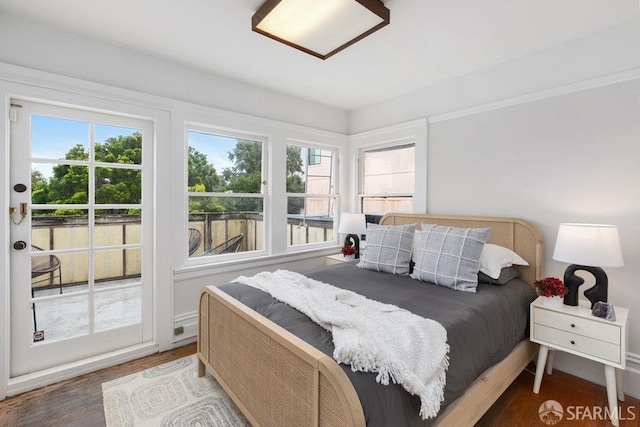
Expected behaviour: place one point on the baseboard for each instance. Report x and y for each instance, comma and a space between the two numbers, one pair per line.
189, 324
45, 377
594, 372
632, 375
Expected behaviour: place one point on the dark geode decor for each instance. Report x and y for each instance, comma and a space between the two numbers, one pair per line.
604, 310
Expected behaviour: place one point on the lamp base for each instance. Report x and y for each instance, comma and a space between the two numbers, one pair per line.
353, 239
594, 294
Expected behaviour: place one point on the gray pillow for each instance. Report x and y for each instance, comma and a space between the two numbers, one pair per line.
449, 256
506, 274
388, 248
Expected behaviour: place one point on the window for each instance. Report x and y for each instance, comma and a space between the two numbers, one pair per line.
387, 179
225, 198
315, 156
311, 196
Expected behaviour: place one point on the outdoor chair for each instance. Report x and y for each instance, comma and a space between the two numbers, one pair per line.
42, 265
230, 246
195, 238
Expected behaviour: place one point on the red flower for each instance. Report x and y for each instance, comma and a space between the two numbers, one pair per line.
348, 250
550, 286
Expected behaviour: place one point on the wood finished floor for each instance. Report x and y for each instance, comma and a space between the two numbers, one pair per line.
78, 402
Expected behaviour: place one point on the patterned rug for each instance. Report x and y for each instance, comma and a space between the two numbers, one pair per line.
171, 394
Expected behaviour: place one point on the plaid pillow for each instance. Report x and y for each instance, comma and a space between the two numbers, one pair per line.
449, 256
388, 248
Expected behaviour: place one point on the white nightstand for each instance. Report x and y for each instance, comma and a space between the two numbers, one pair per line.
576, 331
335, 259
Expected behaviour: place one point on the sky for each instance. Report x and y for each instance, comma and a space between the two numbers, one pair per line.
52, 138
215, 147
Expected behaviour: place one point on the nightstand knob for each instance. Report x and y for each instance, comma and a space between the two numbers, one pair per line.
573, 342
573, 325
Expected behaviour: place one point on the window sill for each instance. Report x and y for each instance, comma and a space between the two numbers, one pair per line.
196, 271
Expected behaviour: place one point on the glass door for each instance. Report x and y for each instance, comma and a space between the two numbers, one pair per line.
80, 273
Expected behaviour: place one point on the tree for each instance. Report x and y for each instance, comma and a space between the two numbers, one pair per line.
295, 184
203, 204
39, 188
201, 171
202, 177
245, 176
115, 185
70, 183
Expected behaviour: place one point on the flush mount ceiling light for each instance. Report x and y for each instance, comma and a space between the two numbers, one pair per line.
320, 28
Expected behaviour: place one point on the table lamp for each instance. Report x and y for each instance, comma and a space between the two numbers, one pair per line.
354, 225
587, 247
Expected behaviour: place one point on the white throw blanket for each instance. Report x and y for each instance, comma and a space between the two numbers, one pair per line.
369, 335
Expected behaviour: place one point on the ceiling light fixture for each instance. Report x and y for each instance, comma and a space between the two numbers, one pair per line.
320, 28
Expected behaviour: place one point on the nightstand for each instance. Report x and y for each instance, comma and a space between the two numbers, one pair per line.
575, 330
335, 259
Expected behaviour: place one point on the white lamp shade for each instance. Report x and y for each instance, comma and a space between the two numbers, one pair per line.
352, 223
593, 245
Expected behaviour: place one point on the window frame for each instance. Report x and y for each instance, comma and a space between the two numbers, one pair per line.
264, 192
333, 194
389, 146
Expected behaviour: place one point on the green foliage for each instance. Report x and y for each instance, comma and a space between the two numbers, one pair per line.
70, 183
202, 178
295, 184
245, 176
201, 171
39, 188
294, 161
122, 149
247, 158
205, 204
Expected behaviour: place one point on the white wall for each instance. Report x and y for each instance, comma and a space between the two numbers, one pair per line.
612, 50
569, 158
44, 48
550, 137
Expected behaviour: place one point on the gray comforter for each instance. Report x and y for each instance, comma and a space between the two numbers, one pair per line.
482, 329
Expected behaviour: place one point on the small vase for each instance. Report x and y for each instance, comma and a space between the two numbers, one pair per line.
554, 301
349, 257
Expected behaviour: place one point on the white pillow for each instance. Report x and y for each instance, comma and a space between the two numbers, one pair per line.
494, 258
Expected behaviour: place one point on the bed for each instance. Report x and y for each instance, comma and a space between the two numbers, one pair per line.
277, 378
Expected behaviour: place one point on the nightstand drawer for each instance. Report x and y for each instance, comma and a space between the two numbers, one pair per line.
579, 343
576, 325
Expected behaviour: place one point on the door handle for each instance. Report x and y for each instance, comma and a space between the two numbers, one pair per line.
23, 213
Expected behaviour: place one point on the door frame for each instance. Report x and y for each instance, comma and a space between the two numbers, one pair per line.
26, 355
49, 88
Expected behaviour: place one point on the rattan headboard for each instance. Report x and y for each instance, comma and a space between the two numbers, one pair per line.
516, 234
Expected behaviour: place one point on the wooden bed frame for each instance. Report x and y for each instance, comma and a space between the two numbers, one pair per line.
277, 379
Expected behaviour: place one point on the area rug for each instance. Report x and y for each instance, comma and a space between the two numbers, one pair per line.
171, 394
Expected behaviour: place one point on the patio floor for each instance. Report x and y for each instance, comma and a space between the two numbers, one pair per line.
68, 317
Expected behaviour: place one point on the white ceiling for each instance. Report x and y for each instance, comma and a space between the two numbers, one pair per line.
427, 41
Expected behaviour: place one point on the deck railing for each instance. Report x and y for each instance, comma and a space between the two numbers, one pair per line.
66, 232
